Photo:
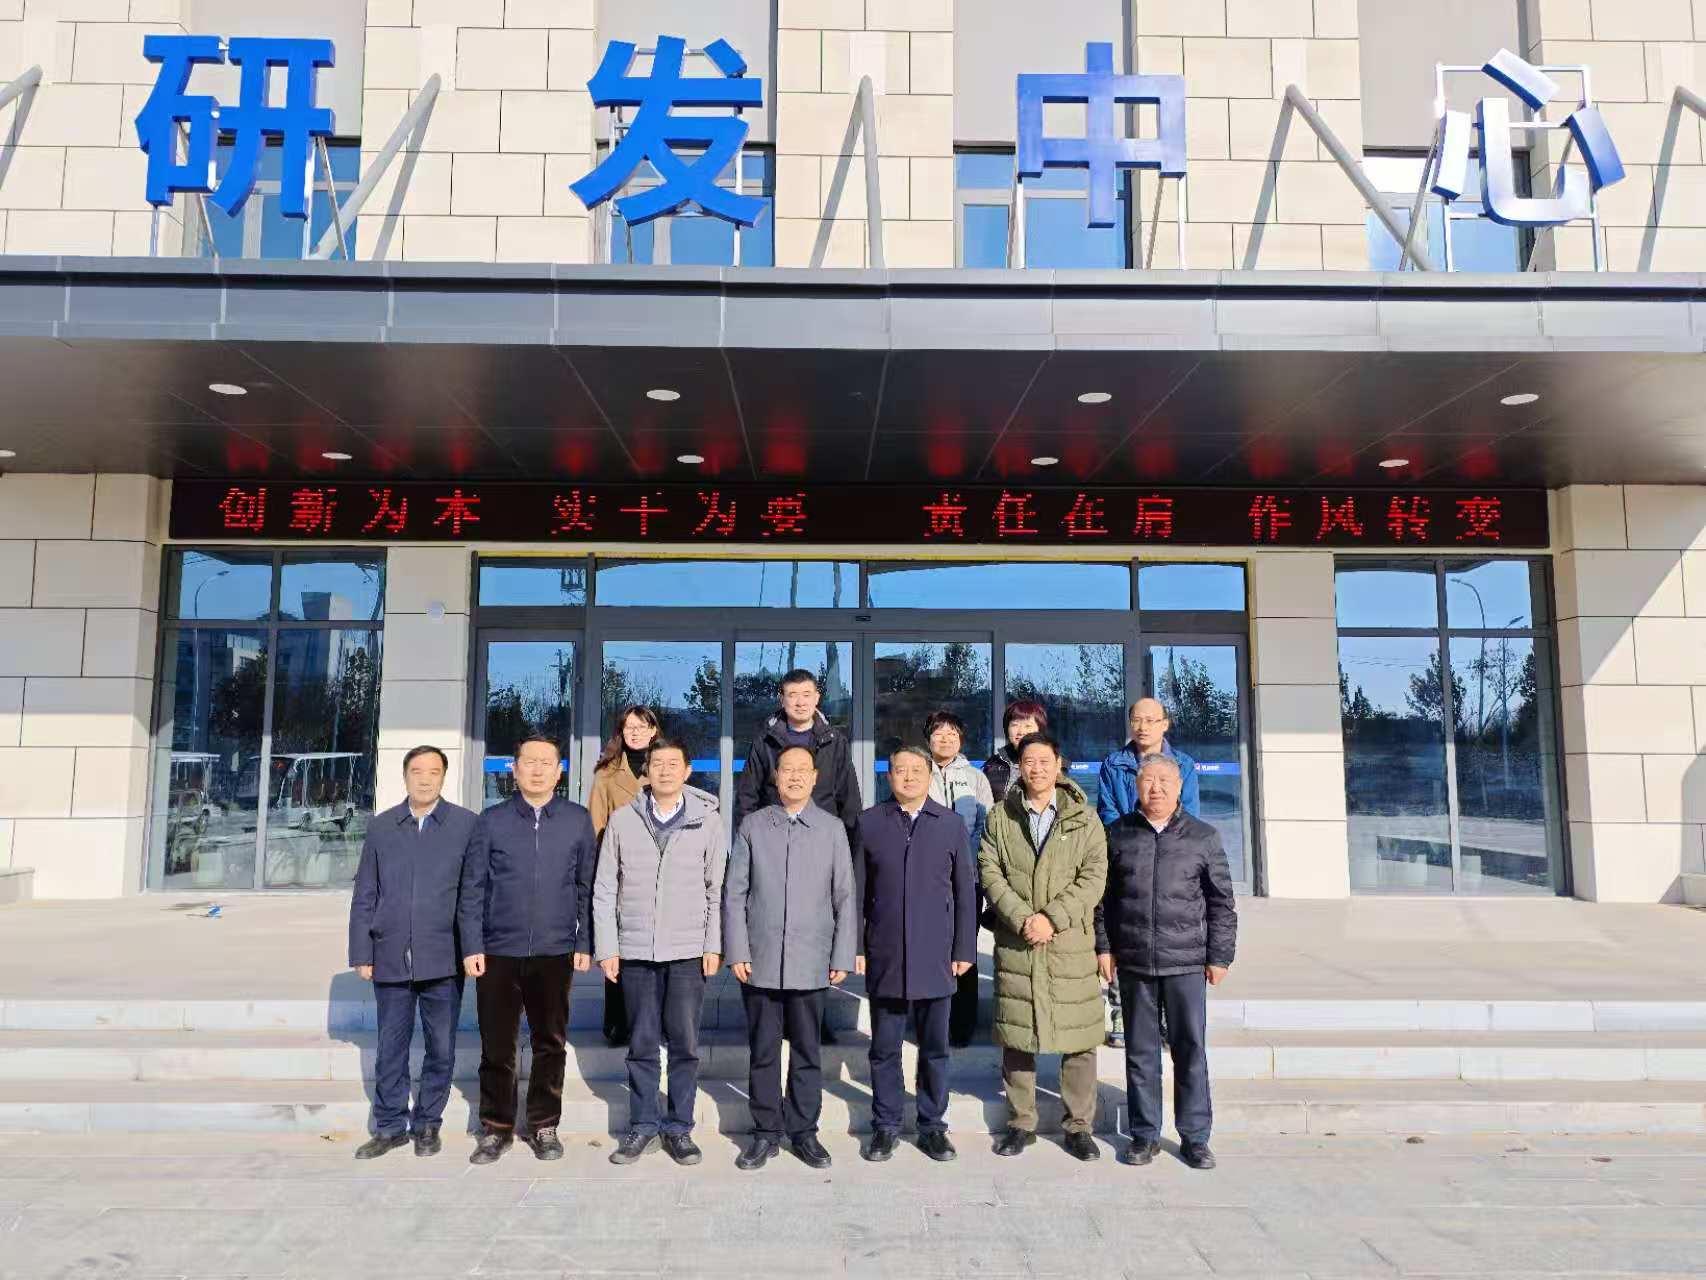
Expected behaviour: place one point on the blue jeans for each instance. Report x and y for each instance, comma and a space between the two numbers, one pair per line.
438, 1000
664, 1002
888, 1083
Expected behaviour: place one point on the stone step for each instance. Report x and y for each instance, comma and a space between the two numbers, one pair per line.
592, 1112
1235, 1054
341, 1013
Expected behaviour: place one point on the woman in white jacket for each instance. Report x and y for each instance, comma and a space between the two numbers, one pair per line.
957, 785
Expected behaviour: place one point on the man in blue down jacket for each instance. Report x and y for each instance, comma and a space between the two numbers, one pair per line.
527, 909
1167, 926
919, 912
402, 938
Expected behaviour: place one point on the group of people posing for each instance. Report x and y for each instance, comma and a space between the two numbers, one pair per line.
644, 883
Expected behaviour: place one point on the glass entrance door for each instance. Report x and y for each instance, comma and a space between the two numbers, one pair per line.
912, 678
526, 685
682, 680
1201, 682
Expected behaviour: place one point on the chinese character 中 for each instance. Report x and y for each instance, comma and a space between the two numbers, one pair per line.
390, 513
311, 510
656, 131
1573, 195
252, 121
1101, 150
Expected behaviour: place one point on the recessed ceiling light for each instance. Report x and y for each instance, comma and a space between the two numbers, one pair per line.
333, 455
1392, 464
8, 453
1044, 460
1522, 397
690, 459
1095, 397
663, 393
227, 389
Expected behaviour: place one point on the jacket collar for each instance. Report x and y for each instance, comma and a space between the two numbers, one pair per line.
699, 804
822, 731
407, 815
1128, 755
931, 808
807, 817
551, 808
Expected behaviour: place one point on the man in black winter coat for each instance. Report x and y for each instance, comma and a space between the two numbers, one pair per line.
1168, 928
798, 723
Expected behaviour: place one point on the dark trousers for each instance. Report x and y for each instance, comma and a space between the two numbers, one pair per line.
771, 1017
615, 1012
438, 1001
962, 1022
538, 985
664, 1000
888, 1085
1182, 999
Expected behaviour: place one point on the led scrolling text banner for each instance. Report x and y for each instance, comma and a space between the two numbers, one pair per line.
906, 514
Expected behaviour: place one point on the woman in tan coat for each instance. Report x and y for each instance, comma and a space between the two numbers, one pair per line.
617, 779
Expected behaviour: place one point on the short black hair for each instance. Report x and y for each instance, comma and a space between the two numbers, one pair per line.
945, 719
799, 675
663, 742
547, 739
425, 749
1040, 739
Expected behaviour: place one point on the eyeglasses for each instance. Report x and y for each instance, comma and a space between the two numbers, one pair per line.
1148, 722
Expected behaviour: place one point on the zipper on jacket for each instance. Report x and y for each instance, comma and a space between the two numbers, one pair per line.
533, 907
787, 868
1154, 903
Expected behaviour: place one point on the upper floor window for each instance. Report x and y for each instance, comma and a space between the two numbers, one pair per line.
1057, 233
258, 229
1477, 242
689, 238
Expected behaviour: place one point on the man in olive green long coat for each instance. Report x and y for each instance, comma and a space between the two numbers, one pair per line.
1043, 863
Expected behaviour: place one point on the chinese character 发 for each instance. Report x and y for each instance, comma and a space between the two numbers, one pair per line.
245, 510
1014, 515
311, 510
574, 511
656, 131
1480, 519
251, 122
1102, 151
1340, 517
458, 510
390, 513
716, 521
1408, 518
785, 515
1268, 515
1086, 519
1154, 517
645, 511
947, 516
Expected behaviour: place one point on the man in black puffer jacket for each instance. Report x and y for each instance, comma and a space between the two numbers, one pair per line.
1168, 928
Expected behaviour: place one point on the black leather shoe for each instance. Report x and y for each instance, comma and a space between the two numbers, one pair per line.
1140, 1152
490, 1147
545, 1144
935, 1144
757, 1154
681, 1149
810, 1152
427, 1142
1196, 1154
1014, 1141
881, 1146
1081, 1146
379, 1144
635, 1145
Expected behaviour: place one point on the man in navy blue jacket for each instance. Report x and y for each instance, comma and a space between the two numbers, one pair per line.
526, 930
402, 938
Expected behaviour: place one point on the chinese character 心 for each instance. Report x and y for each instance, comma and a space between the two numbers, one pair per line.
656, 131
1102, 151
252, 121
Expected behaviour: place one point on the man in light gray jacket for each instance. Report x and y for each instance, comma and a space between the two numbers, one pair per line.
657, 929
789, 932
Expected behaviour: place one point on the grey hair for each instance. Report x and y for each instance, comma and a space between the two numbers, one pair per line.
908, 749
1156, 758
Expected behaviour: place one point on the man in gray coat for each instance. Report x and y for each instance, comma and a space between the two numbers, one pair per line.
789, 932
657, 929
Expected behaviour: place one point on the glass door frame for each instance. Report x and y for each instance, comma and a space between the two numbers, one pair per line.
474, 780
1254, 879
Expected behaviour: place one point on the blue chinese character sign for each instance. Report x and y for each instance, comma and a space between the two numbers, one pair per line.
656, 131
1102, 150
252, 121
1573, 195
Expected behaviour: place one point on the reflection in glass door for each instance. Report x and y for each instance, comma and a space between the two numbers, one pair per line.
529, 687
758, 671
683, 681
912, 678
1201, 684
1082, 686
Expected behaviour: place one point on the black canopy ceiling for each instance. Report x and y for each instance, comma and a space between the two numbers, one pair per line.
1231, 378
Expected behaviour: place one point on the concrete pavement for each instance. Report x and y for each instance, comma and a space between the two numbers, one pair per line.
278, 1207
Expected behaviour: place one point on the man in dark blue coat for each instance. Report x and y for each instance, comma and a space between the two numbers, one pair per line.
402, 938
918, 908
527, 930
